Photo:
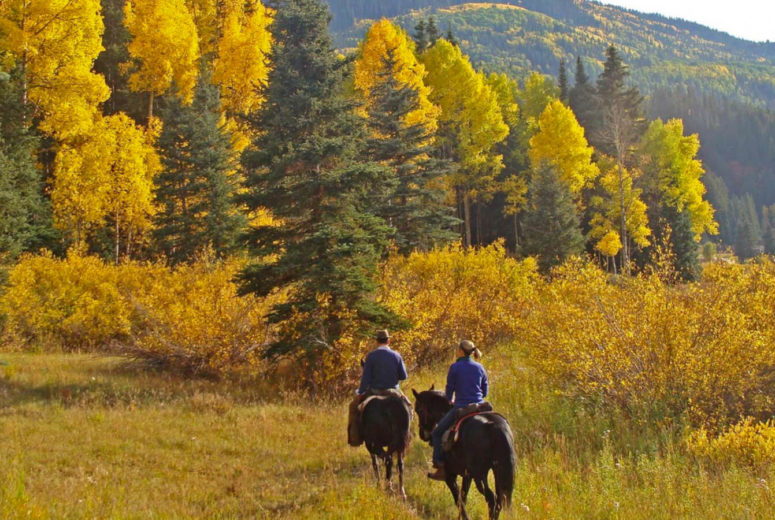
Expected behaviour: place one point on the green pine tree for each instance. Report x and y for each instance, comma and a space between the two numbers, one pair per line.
582, 99
747, 228
682, 243
412, 202
550, 223
196, 189
431, 31
619, 122
25, 214
768, 229
450, 36
562, 82
307, 166
420, 37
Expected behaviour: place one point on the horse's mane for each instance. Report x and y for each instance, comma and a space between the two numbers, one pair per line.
437, 396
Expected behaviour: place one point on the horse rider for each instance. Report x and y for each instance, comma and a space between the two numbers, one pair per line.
382, 371
467, 380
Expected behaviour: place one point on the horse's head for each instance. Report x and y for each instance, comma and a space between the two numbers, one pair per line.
430, 405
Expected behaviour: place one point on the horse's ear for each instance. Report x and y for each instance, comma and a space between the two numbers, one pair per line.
363, 362
433, 386
416, 395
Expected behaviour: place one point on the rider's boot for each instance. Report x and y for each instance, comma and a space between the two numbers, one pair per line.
439, 474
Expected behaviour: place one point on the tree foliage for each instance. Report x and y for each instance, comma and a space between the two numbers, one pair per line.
307, 167
385, 39
560, 142
241, 65
107, 177
54, 43
197, 186
164, 48
471, 122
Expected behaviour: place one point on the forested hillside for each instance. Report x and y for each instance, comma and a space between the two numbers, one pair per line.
519, 36
722, 87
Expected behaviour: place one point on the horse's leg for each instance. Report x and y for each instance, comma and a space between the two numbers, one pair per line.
389, 470
489, 496
465, 487
376, 468
400, 461
451, 481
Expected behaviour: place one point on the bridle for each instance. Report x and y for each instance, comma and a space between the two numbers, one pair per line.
422, 415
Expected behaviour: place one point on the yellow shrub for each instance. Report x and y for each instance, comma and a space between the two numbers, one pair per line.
73, 303
452, 294
192, 318
703, 349
748, 442
189, 317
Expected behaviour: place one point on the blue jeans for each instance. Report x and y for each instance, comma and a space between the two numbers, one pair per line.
442, 426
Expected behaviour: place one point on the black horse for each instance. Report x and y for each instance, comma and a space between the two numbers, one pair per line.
485, 443
385, 430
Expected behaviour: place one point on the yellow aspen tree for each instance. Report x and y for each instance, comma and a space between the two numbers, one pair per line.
206, 15
109, 173
133, 166
241, 65
164, 48
54, 44
471, 123
617, 200
538, 92
670, 165
560, 142
386, 39
514, 177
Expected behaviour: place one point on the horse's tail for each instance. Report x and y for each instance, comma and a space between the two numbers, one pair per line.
504, 463
402, 424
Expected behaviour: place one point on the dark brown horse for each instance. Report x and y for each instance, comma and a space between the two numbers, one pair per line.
485, 443
385, 431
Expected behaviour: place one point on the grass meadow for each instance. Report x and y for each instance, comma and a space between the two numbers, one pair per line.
84, 436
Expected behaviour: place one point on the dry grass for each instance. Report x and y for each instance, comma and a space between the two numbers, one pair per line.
88, 437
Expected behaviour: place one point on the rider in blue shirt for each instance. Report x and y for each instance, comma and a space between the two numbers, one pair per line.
383, 370
467, 380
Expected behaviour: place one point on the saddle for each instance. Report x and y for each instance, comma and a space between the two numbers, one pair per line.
452, 435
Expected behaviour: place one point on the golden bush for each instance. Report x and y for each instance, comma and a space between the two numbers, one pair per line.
451, 294
192, 318
749, 442
189, 317
704, 351
73, 303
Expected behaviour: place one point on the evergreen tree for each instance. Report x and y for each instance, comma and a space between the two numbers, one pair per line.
619, 122
306, 166
25, 215
420, 37
562, 82
413, 201
747, 229
581, 97
768, 229
618, 126
432, 31
682, 243
551, 225
450, 37
197, 186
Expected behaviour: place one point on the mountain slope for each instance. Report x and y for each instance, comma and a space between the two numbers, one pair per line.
518, 36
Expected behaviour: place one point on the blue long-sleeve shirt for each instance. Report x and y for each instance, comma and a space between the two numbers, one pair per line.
468, 381
383, 369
